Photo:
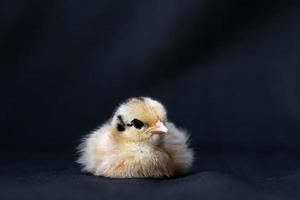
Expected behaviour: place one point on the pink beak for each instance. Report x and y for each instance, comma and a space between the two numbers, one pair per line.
160, 128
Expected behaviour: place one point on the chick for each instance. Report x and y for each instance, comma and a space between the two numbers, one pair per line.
138, 141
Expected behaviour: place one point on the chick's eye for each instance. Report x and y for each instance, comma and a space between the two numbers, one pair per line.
137, 123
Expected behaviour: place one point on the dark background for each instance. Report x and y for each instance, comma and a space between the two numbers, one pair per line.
227, 71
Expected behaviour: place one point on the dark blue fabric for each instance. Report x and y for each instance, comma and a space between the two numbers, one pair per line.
227, 71
214, 176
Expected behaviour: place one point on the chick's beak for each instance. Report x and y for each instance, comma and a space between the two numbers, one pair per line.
160, 128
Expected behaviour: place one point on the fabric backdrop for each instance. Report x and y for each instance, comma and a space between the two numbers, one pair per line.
227, 71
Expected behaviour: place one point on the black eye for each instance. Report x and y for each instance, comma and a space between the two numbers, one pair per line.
137, 123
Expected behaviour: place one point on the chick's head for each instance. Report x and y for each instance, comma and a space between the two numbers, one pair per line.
140, 119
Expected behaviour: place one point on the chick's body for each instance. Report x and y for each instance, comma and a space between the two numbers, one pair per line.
137, 142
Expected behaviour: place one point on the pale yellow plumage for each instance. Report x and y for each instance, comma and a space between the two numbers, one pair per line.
137, 142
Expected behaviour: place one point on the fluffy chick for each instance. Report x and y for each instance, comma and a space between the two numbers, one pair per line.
138, 141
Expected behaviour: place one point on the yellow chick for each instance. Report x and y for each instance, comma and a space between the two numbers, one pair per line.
138, 141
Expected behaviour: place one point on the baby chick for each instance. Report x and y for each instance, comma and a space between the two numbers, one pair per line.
138, 141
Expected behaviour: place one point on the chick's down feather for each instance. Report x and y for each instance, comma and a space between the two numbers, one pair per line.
138, 141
